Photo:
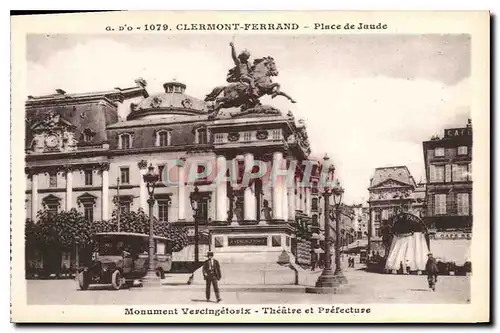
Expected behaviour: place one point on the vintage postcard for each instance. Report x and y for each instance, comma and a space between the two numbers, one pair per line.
318, 167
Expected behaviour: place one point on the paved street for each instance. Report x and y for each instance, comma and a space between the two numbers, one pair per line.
363, 288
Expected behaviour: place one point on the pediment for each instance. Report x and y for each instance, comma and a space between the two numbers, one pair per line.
50, 122
390, 183
51, 198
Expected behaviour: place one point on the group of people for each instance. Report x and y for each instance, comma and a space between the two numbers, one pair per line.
212, 273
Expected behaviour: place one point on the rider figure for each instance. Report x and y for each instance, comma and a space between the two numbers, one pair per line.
242, 72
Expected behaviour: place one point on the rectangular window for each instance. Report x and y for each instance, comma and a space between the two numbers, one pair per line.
439, 204
52, 208
124, 175
460, 172
470, 171
247, 136
125, 141
463, 203
436, 173
88, 212
314, 189
447, 173
53, 180
163, 211
124, 207
462, 150
439, 152
88, 177
219, 138
378, 215
203, 210
164, 139
202, 136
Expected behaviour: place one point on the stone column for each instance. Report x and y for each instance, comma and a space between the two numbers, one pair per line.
69, 187
181, 193
104, 191
291, 203
285, 203
277, 188
307, 208
296, 194
143, 191
34, 196
221, 190
250, 203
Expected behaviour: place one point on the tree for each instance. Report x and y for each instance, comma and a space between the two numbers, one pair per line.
63, 230
138, 222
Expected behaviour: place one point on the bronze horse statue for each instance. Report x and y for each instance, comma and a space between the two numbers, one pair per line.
239, 94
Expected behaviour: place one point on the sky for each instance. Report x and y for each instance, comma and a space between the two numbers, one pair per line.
368, 100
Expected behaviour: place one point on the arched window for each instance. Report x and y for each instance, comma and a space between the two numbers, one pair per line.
163, 138
125, 141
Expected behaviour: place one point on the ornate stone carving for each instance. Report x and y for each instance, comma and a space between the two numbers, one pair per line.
187, 103
142, 164
156, 102
262, 135
104, 166
234, 136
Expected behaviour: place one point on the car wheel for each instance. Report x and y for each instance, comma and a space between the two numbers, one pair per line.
160, 273
83, 281
116, 280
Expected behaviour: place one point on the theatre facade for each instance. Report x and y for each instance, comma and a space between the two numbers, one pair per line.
81, 154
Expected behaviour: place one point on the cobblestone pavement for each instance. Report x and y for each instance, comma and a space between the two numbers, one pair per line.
363, 287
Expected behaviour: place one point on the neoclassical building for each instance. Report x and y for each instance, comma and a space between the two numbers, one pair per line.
81, 154
391, 188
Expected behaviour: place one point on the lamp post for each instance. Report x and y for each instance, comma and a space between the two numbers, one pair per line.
327, 283
195, 198
151, 178
338, 192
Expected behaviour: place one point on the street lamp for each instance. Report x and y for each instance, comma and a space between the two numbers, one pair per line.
195, 197
151, 178
338, 193
327, 282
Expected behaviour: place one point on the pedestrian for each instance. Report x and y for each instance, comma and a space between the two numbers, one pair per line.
432, 271
313, 260
212, 275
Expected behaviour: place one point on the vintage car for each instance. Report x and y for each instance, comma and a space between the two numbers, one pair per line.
122, 257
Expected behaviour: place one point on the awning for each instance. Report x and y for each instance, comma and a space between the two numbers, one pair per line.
451, 250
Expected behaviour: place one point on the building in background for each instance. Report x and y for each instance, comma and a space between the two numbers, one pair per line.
448, 169
391, 189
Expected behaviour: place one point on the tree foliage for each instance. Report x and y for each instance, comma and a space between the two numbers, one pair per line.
139, 222
63, 230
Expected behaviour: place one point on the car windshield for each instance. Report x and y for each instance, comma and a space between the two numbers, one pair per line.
112, 245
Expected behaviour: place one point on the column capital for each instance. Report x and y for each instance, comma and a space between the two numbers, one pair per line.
142, 164
30, 171
104, 166
68, 168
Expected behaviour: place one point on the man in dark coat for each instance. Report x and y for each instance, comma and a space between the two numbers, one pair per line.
432, 270
212, 275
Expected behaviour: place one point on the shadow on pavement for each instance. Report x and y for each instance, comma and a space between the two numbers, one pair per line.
420, 289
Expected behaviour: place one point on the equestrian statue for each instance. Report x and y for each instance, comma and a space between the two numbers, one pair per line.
247, 83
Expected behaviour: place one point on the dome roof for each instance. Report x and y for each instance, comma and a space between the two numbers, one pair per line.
173, 101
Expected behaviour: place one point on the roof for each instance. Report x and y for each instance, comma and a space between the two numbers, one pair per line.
173, 100
168, 119
397, 173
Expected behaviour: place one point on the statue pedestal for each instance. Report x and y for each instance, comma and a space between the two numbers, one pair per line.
253, 254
